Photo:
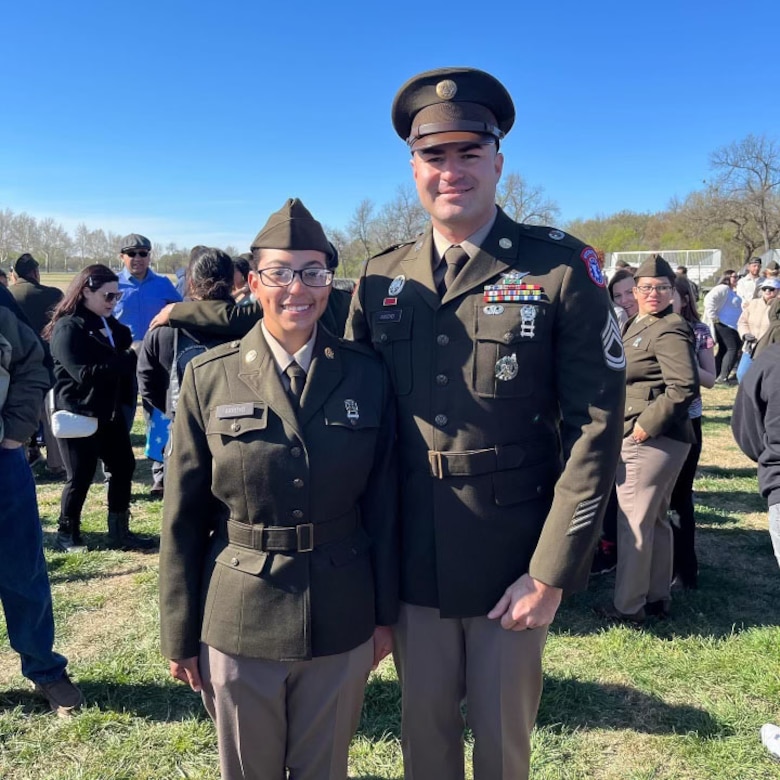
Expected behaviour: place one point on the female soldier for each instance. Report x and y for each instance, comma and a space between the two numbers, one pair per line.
279, 553
94, 369
661, 383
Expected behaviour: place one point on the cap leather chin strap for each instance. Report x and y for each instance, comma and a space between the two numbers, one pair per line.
461, 126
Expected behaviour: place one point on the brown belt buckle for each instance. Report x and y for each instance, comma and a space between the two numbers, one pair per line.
436, 463
305, 535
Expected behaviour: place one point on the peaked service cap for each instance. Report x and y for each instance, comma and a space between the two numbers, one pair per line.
462, 102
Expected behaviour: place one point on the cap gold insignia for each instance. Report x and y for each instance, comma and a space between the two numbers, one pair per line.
250, 356
505, 243
446, 89
329, 353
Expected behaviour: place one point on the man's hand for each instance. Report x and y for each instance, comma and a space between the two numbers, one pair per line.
639, 434
527, 603
383, 644
162, 317
186, 670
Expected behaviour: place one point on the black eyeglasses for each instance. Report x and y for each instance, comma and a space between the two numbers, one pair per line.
134, 252
646, 289
283, 276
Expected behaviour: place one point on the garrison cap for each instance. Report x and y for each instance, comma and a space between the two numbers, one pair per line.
462, 101
293, 227
25, 264
135, 241
655, 266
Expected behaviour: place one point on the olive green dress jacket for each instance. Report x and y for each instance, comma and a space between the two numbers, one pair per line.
662, 375
509, 411
279, 536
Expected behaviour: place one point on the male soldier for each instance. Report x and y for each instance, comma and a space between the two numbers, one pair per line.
37, 302
144, 293
508, 367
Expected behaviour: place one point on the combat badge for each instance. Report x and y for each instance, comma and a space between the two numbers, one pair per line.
527, 316
614, 355
396, 286
493, 309
591, 260
351, 407
506, 367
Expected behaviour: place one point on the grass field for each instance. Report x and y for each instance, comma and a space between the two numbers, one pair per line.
680, 700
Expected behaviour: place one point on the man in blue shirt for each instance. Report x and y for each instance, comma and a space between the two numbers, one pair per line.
144, 293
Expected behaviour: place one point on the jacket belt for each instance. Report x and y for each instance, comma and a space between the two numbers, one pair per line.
472, 463
295, 538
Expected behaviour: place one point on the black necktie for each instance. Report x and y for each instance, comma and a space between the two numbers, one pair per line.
297, 377
454, 257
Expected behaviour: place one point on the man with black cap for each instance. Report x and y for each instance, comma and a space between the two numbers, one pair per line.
507, 363
279, 554
143, 293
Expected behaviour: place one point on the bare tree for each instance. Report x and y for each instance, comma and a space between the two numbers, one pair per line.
399, 220
359, 228
524, 202
748, 185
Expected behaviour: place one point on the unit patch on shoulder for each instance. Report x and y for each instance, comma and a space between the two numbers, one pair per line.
591, 260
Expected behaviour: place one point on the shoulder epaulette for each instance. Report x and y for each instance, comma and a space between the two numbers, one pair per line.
393, 247
552, 235
216, 353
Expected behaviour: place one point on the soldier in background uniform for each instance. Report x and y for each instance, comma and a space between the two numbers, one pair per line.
279, 552
508, 368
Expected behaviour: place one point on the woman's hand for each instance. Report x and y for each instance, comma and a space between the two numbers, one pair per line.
186, 670
383, 644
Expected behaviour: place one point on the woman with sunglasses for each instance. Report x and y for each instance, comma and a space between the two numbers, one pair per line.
661, 383
94, 370
279, 543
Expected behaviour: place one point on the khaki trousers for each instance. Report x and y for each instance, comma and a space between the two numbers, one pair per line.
442, 662
277, 715
645, 478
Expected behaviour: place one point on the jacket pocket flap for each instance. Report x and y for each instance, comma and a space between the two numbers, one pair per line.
525, 484
391, 325
243, 559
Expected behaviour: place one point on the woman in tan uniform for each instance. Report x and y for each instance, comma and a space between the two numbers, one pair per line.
661, 382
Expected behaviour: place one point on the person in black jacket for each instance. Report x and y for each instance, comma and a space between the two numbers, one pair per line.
94, 368
756, 427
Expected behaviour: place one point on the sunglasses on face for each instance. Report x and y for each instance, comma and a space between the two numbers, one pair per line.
109, 297
134, 252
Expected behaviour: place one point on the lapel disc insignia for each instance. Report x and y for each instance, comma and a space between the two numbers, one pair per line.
396, 286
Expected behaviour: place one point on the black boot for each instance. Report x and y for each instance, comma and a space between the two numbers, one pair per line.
121, 537
69, 536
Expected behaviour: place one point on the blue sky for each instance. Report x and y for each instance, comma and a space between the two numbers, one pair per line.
191, 122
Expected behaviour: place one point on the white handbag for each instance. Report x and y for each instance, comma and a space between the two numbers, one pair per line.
69, 425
